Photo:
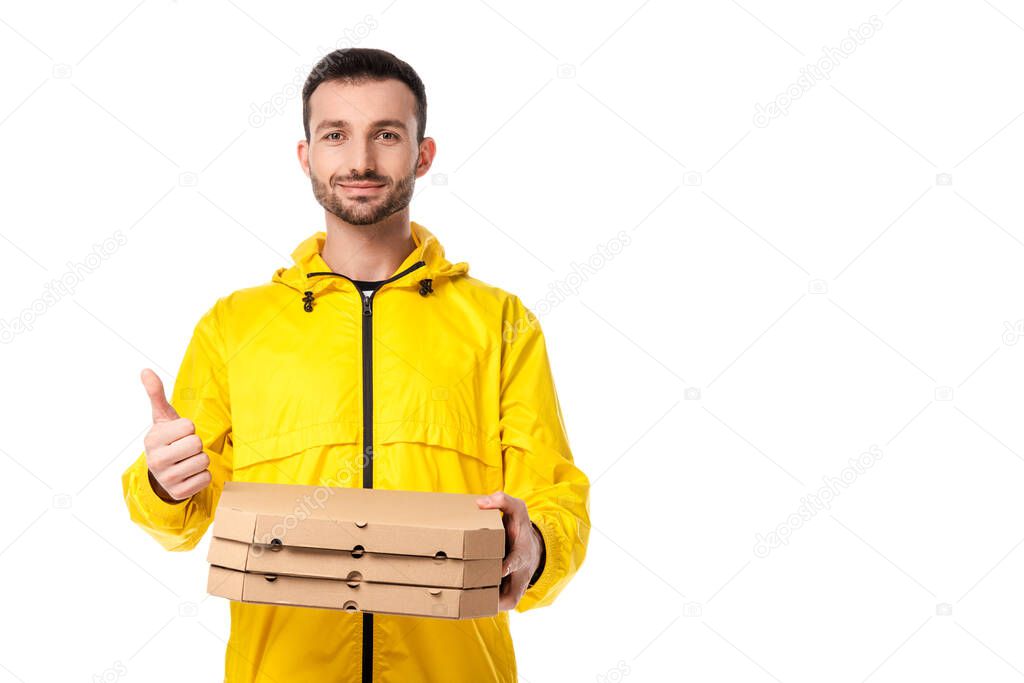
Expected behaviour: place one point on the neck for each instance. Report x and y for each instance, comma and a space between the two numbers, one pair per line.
368, 252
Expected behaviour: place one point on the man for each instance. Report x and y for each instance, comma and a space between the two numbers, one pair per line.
372, 361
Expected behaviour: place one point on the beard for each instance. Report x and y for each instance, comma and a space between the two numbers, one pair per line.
365, 210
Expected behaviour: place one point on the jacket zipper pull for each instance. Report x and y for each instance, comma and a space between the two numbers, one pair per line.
366, 305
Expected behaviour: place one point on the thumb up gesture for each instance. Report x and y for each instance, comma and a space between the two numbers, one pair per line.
174, 452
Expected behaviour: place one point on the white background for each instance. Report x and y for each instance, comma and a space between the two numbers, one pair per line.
791, 296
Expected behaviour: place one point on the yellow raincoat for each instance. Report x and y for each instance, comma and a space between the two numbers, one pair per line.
441, 379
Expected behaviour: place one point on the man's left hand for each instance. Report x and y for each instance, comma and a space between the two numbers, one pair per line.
526, 545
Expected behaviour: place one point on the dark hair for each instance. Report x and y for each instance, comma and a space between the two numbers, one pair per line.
361, 64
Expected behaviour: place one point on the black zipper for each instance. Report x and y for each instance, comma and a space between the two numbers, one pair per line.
367, 301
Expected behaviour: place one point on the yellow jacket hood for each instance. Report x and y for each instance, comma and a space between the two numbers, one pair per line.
429, 251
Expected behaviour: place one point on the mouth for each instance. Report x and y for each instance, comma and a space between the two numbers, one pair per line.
362, 188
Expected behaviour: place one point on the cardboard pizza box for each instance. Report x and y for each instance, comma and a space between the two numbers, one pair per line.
380, 521
443, 572
352, 596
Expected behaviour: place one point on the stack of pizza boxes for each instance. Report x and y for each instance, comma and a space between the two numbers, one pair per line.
372, 550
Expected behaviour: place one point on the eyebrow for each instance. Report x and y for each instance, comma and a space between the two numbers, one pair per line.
340, 123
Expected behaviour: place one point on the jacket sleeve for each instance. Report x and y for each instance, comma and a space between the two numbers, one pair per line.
200, 394
538, 464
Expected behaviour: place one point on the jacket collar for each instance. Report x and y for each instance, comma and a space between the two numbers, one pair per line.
308, 259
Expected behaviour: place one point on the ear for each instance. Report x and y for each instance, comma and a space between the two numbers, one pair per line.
302, 149
426, 157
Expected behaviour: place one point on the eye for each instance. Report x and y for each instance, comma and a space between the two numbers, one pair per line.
328, 136
394, 136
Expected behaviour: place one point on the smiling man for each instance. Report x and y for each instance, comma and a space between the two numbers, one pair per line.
371, 361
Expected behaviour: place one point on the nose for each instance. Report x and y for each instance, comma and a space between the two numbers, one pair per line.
362, 159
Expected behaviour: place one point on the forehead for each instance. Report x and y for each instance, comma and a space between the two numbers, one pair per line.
362, 103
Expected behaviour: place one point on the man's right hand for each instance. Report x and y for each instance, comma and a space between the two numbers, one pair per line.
174, 452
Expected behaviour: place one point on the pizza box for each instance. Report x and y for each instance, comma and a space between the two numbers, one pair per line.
419, 523
443, 572
353, 596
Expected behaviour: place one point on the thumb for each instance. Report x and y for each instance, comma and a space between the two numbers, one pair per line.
162, 410
487, 501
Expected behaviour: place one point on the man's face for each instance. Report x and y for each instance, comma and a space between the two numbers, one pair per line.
362, 153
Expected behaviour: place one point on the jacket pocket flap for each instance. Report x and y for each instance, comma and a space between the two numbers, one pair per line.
466, 441
275, 446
